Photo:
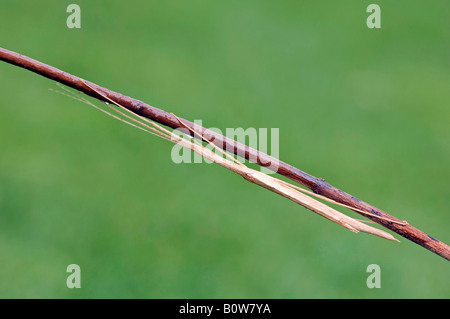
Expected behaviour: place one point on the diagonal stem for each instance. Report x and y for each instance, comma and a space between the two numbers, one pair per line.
318, 185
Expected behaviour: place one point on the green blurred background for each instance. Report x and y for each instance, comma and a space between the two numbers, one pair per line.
368, 110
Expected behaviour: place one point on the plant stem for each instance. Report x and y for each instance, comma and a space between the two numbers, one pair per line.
318, 185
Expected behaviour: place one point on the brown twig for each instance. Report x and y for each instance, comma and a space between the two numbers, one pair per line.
319, 186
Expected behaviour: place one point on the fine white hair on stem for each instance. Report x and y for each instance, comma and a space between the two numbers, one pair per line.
287, 190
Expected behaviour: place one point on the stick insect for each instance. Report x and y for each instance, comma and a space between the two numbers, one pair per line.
287, 190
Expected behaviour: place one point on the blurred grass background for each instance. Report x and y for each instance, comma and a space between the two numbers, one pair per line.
368, 110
